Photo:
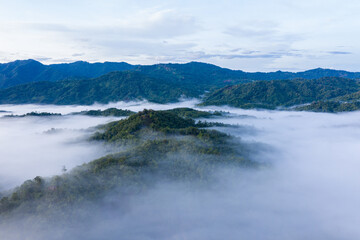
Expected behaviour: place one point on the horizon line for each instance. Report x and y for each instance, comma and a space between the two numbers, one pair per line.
178, 63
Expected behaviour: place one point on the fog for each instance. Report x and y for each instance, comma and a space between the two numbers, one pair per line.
42, 146
308, 187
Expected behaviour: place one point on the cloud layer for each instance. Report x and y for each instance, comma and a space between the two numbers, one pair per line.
306, 190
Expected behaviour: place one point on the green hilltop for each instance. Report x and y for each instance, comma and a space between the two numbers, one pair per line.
330, 106
106, 113
282, 93
160, 144
112, 87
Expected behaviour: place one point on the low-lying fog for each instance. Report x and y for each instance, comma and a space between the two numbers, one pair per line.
309, 188
42, 146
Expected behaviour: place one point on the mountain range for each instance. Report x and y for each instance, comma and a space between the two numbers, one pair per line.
26, 71
85, 83
283, 93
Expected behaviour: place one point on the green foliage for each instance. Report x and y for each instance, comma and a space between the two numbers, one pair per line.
194, 75
349, 97
153, 124
162, 83
207, 76
35, 114
202, 76
135, 125
192, 113
107, 112
330, 106
26, 71
115, 86
179, 151
272, 94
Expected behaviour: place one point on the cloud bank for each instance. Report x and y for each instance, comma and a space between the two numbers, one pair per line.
307, 188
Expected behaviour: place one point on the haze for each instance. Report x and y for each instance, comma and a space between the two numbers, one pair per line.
307, 189
252, 35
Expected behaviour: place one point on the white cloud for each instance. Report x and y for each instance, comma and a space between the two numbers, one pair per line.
308, 190
137, 31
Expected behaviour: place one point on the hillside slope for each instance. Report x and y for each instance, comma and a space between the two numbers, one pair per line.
181, 151
26, 71
277, 93
205, 76
115, 86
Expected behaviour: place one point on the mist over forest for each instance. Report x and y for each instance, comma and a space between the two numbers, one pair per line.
179, 120
303, 185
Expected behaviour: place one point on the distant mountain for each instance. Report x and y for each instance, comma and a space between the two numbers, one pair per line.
26, 71
30, 81
330, 106
282, 93
113, 112
160, 83
208, 74
114, 86
197, 75
204, 76
309, 74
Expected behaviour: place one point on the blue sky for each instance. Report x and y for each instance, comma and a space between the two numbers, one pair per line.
257, 35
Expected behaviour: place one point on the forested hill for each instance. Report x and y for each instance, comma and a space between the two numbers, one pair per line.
203, 73
168, 147
272, 94
112, 87
206, 76
200, 75
26, 71
33, 82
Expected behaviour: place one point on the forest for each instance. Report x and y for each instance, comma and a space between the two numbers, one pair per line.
86, 84
168, 145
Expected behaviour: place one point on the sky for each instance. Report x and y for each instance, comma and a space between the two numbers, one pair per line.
250, 35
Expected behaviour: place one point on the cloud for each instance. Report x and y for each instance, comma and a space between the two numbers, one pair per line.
30, 149
166, 23
339, 52
150, 24
41, 59
78, 54
62, 60
140, 37
245, 55
47, 27
55, 31
307, 189
30, 146
264, 35
249, 32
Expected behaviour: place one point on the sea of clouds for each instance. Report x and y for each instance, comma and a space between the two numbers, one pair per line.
308, 187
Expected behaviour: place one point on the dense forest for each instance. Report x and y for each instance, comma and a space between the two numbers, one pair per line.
282, 93
106, 113
115, 86
187, 113
157, 83
330, 106
192, 113
26, 71
158, 143
34, 114
84, 83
